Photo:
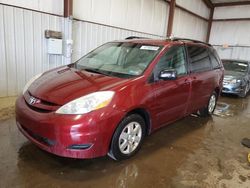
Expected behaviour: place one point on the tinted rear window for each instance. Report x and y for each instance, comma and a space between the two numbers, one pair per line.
199, 59
215, 60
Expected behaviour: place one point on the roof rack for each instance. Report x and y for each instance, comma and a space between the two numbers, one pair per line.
135, 37
191, 40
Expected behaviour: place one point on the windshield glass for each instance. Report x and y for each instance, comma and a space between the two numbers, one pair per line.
235, 66
121, 59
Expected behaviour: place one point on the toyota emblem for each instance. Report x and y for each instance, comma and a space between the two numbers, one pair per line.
33, 100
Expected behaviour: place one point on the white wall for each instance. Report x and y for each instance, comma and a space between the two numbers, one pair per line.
23, 48
232, 12
149, 16
236, 52
230, 32
187, 25
146, 18
196, 6
50, 6
233, 33
87, 36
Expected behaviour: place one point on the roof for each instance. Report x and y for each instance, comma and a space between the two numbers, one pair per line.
238, 60
163, 41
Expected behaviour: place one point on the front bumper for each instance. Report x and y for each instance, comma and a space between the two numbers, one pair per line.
74, 136
232, 89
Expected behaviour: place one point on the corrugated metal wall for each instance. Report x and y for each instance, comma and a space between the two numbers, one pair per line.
239, 52
196, 6
23, 48
49, 6
232, 33
188, 26
149, 16
232, 12
87, 36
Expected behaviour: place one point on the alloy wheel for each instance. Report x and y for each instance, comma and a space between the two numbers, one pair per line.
212, 103
130, 137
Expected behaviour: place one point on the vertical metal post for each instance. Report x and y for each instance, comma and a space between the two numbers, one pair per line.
171, 18
68, 40
68, 8
210, 22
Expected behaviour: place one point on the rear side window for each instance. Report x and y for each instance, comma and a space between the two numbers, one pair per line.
214, 59
199, 59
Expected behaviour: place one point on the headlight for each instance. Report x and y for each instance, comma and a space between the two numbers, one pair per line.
87, 103
30, 82
234, 81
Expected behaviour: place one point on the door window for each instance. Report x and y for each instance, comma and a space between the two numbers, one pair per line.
214, 59
175, 59
199, 59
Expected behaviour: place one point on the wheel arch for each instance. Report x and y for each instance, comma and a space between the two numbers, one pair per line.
145, 115
217, 90
139, 111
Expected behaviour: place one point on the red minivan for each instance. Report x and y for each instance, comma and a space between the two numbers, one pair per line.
110, 99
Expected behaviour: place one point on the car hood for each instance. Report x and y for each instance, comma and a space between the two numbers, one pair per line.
234, 74
64, 84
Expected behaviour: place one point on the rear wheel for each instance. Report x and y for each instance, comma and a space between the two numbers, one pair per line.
128, 137
209, 109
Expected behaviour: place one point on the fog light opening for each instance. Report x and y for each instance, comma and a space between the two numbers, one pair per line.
80, 146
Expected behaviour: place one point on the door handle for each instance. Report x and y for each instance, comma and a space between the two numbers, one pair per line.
186, 81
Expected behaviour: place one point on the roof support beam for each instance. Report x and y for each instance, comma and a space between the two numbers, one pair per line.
208, 3
210, 22
232, 4
171, 18
231, 19
68, 8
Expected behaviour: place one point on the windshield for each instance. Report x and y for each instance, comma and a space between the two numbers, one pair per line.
235, 66
121, 59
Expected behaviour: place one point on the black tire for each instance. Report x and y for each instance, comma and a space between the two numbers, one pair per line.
115, 152
244, 93
207, 111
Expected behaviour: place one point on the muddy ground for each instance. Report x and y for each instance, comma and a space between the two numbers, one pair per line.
193, 152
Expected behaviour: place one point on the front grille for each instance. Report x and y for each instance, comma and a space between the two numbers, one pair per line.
38, 109
39, 138
41, 106
43, 101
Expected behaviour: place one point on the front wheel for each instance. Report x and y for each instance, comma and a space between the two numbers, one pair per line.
209, 109
245, 91
128, 137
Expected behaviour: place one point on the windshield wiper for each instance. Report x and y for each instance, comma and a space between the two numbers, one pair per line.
96, 71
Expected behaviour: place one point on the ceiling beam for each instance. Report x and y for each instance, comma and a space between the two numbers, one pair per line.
232, 4
231, 19
208, 3
68, 8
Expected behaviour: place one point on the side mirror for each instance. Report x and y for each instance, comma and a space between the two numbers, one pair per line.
168, 75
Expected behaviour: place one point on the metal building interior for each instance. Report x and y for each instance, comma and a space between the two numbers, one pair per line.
191, 152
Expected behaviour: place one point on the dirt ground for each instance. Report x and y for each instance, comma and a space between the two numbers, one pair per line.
193, 152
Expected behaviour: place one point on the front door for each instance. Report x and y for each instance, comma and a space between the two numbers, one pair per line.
171, 96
